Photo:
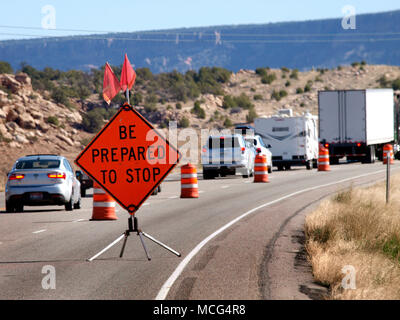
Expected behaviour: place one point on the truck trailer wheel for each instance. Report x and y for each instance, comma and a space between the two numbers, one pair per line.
370, 156
208, 174
334, 160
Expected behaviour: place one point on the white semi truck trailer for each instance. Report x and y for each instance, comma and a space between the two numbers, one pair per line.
356, 123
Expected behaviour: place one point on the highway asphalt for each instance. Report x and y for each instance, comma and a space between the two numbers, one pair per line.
222, 258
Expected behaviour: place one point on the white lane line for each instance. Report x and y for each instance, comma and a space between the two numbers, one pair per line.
173, 197
201, 191
248, 181
78, 220
145, 204
39, 231
162, 294
225, 187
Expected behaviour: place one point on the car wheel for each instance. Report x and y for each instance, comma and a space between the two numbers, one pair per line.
69, 206
247, 174
78, 204
155, 192
9, 207
19, 208
269, 169
83, 192
159, 188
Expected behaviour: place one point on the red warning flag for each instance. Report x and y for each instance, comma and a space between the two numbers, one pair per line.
128, 75
111, 84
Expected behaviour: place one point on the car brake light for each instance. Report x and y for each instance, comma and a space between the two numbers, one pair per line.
56, 175
358, 144
326, 145
259, 150
243, 149
16, 176
204, 150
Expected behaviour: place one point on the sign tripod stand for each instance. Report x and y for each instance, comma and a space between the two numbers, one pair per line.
133, 227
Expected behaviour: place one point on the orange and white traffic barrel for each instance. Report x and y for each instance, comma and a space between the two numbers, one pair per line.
388, 153
260, 169
103, 204
323, 159
189, 184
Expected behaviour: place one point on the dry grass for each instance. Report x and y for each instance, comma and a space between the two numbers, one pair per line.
357, 228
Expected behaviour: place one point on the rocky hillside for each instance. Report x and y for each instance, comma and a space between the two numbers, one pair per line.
31, 122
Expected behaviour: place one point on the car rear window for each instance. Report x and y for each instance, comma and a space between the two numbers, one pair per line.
230, 142
38, 164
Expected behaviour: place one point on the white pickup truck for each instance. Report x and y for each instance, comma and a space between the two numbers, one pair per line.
227, 155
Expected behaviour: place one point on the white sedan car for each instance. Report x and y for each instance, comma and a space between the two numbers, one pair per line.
257, 142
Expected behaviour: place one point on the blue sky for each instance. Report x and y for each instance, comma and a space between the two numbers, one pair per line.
134, 15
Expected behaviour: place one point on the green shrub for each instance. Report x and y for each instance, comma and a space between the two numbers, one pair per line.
53, 120
268, 78
251, 115
278, 95
228, 123
261, 72
243, 101
198, 110
178, 106
283, 93
137, 98
93, 120
396, 84
307, 87
299, 90
59, 95
258, 97
5, 67
384, 82
287, 84
228, 102
184, 122
318, 79
150, 107
295, 74
284, 69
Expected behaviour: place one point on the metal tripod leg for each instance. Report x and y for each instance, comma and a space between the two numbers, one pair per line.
126, 234
144, 246
106, 248
161, 244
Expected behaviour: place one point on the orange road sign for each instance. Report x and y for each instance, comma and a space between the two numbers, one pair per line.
128, 158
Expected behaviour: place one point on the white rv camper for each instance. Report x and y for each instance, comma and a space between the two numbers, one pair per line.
293, 139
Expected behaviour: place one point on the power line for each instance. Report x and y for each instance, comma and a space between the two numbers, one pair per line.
346, 34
